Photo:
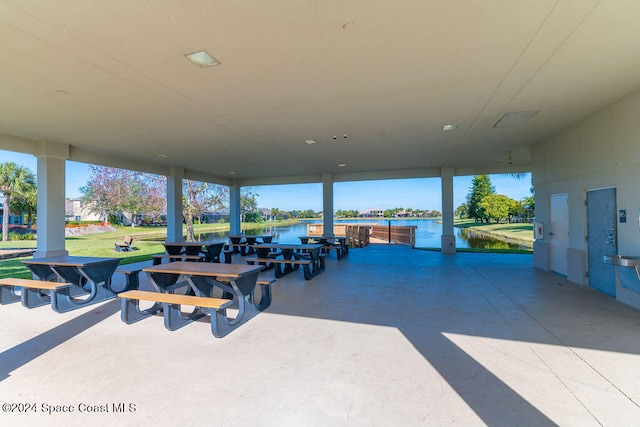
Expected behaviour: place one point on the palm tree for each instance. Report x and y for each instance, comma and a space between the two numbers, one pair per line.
26, 201
13, 179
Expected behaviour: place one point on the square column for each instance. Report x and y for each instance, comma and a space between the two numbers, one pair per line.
174, 204
234, 208
448, 239
51, 200
327, 204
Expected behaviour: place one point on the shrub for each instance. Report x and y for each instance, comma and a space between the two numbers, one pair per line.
21, 236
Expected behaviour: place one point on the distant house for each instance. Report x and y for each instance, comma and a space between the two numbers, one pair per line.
13, 219
372, 213
213, 217
75, 210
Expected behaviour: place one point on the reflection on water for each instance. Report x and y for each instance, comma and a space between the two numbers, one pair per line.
428, 234
477, 240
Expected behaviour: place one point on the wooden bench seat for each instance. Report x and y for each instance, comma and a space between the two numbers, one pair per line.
251, 260
174, 319
261, 281
30, 291
157, 259
205, 302
170, 304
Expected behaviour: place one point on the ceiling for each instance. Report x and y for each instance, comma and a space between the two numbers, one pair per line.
110, 79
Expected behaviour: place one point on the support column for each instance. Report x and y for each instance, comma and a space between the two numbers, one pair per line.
327, 204
448, 239
51, 199
174, 204
234, 208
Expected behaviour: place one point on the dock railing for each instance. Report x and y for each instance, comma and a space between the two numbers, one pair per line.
359, 233
401, 234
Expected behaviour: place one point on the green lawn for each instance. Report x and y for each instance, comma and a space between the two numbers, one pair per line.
516, 232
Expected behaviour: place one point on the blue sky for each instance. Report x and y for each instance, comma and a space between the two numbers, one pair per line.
417, 193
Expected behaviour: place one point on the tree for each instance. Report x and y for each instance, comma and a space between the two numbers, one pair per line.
461, 211
480, 188
249, 205
496, 206
13, 179
111, 191
276, 214
26, 201
198, 198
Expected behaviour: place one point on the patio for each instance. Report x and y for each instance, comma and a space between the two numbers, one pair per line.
434, 339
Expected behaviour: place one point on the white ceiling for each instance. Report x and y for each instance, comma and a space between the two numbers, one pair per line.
109, 78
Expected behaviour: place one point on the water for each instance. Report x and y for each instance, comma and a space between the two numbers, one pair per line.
428, 234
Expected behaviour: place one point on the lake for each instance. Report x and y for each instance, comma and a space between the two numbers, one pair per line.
428, 234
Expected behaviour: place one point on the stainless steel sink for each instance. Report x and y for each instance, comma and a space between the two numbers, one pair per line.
622, 260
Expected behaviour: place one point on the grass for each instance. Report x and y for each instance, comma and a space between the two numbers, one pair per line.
516, 232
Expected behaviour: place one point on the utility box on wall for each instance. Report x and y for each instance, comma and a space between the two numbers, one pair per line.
538, 230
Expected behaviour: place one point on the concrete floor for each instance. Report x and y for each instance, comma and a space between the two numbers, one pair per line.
390, 336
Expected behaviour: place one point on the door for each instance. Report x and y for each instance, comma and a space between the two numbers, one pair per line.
602, 238
559, 233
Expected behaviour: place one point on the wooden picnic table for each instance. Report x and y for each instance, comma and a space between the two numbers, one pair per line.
237, 282
89, 278
186, 248
293, 256
338, 243
208, 251
242, 243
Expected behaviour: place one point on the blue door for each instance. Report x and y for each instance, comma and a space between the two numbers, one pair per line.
602, 236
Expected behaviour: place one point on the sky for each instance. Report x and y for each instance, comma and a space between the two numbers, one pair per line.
416, 193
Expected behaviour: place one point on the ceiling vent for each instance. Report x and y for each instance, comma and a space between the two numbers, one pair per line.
515, 119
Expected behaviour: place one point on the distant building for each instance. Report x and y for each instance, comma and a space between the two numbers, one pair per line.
213, 217
75, 210
372, 213
13, 219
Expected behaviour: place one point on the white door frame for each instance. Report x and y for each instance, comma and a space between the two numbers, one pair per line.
558, 232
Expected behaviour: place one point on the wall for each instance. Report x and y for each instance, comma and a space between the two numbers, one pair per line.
600, 151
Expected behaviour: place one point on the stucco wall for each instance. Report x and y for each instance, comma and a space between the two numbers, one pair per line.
601, 151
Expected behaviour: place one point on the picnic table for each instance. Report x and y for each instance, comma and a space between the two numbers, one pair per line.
243, 243
308, 256
190, 251
338, 243
237, 282
86, 277
186, 248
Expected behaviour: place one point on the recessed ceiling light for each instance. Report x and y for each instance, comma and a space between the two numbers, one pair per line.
310, 141
449, 127
202, 59
515, 118
342, 165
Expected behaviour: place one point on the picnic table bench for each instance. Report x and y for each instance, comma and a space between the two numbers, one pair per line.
242, 243
89, 278
157, 259
293, 256
30, 292
236, 281
337, 243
